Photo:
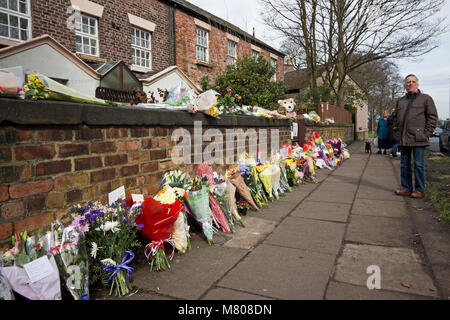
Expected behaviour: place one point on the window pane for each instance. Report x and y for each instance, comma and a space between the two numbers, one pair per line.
3, 18
23, 35
14, 33
79, 47
13, 21
23, 7
93, 51
3, 31
84, 19
86, 49
4, 3
13, 5
94, 43
23, 23
85, 28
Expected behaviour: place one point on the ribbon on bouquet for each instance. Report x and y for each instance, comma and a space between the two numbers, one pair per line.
127, 258
152, 248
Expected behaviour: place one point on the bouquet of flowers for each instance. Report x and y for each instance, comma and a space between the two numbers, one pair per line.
256, 182
231, 191
249, 180
237, 180
205, 170
291, 172
158, 219
5, 290
26, 249
283, 178
276, 187
198, 206
110, 232
220, 193
243, 206
266, 177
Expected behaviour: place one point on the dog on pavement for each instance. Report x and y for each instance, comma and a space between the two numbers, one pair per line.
368, 147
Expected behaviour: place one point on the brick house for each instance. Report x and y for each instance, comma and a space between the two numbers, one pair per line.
147, 35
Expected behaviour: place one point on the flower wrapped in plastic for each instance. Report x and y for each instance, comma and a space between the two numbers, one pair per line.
266, 177
5, 290
198, 206
276, 187
158, 220
246, 174
220, 192
205, 170
283, 178
110, 232
231, 191
291, 172
256, 182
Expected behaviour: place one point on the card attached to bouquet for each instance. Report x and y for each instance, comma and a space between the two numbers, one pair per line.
38, 269
116, 194
138, 198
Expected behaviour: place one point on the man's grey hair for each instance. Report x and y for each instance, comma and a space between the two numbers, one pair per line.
411, 75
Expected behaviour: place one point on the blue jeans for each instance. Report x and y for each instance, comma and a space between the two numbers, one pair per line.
394, 148
419, 168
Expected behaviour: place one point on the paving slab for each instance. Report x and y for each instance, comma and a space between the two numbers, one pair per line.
384, 231
437, 246
345, 291
367, 207
230, 294
256, 229
342, 178
192, 273
365, 192
281, 273
441, 274
276, 210
337, 186
336, 196
322, 211
389, 184
397, 266
308, 234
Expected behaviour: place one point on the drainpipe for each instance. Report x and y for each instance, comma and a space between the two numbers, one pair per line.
174, 35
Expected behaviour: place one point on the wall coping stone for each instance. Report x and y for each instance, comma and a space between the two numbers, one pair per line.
46, 112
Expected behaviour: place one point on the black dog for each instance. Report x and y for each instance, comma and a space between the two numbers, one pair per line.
368, 147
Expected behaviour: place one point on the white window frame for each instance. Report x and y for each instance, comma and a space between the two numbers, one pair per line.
202, 34
255, 54
86, 35
16, 13
232, 52
144, 48
273, 63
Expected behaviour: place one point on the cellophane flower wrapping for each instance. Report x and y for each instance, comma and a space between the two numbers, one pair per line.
204, 170
198, 203
220, 193
158, 220
283, 178
231, 191
5, 290
292, 173
276, 187
246, 173
237, 180
266, 177
110, 232
72, 260
256, 182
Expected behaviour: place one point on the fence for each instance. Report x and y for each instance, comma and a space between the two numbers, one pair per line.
340, 115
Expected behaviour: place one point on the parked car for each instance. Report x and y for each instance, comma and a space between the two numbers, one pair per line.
444, 138
437, 132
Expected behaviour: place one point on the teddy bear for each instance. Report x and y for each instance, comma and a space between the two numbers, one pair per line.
286, 107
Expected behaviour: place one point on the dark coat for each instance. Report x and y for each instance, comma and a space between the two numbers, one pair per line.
420, 121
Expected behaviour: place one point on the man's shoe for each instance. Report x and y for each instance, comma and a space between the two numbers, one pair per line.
402, 192
417, 194
384, 152
379, 152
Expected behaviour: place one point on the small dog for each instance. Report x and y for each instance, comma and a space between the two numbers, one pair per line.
368, 147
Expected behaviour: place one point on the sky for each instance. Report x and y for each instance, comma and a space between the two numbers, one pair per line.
432, 69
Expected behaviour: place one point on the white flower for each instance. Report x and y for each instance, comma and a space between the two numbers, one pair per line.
94, 250
108, 262
109, 226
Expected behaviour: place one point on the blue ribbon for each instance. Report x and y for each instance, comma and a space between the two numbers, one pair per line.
124, 265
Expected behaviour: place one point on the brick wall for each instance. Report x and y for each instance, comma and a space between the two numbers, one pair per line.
218, 50
50, 17
71, 155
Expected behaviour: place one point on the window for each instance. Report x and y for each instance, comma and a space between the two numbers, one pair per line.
15, 19
255, 54
86, 34
141, 48
273, 63
202, 53
231, 59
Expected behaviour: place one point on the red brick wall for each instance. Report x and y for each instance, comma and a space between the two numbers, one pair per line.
218, 50
50, 17
45, 170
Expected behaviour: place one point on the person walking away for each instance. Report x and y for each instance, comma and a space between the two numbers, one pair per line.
393, 142
382, 133
414, 121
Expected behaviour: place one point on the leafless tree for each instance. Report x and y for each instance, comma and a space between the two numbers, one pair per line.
343, 35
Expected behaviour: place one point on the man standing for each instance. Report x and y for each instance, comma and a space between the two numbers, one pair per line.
414, 120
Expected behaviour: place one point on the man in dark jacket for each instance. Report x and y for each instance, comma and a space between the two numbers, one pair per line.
414, 120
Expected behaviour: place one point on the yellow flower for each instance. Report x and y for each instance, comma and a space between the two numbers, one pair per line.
38, 83
212, 110
166, 196
31, 78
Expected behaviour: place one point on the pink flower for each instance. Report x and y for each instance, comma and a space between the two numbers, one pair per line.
229, 92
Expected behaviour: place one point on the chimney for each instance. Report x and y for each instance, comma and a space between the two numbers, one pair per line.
253, 32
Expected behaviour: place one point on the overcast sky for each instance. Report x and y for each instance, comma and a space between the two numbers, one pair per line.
432, 69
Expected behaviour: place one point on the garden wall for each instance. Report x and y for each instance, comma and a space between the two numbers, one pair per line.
54, 155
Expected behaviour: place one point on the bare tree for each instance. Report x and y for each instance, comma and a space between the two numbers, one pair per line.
343, 35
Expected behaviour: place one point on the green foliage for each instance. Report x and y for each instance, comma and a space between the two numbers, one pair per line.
249, 79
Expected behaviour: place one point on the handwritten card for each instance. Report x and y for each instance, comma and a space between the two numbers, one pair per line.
116, 194
38, 269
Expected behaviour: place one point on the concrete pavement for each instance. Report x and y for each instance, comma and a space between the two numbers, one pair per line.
316, 243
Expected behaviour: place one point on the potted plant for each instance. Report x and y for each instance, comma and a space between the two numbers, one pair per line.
242, 207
